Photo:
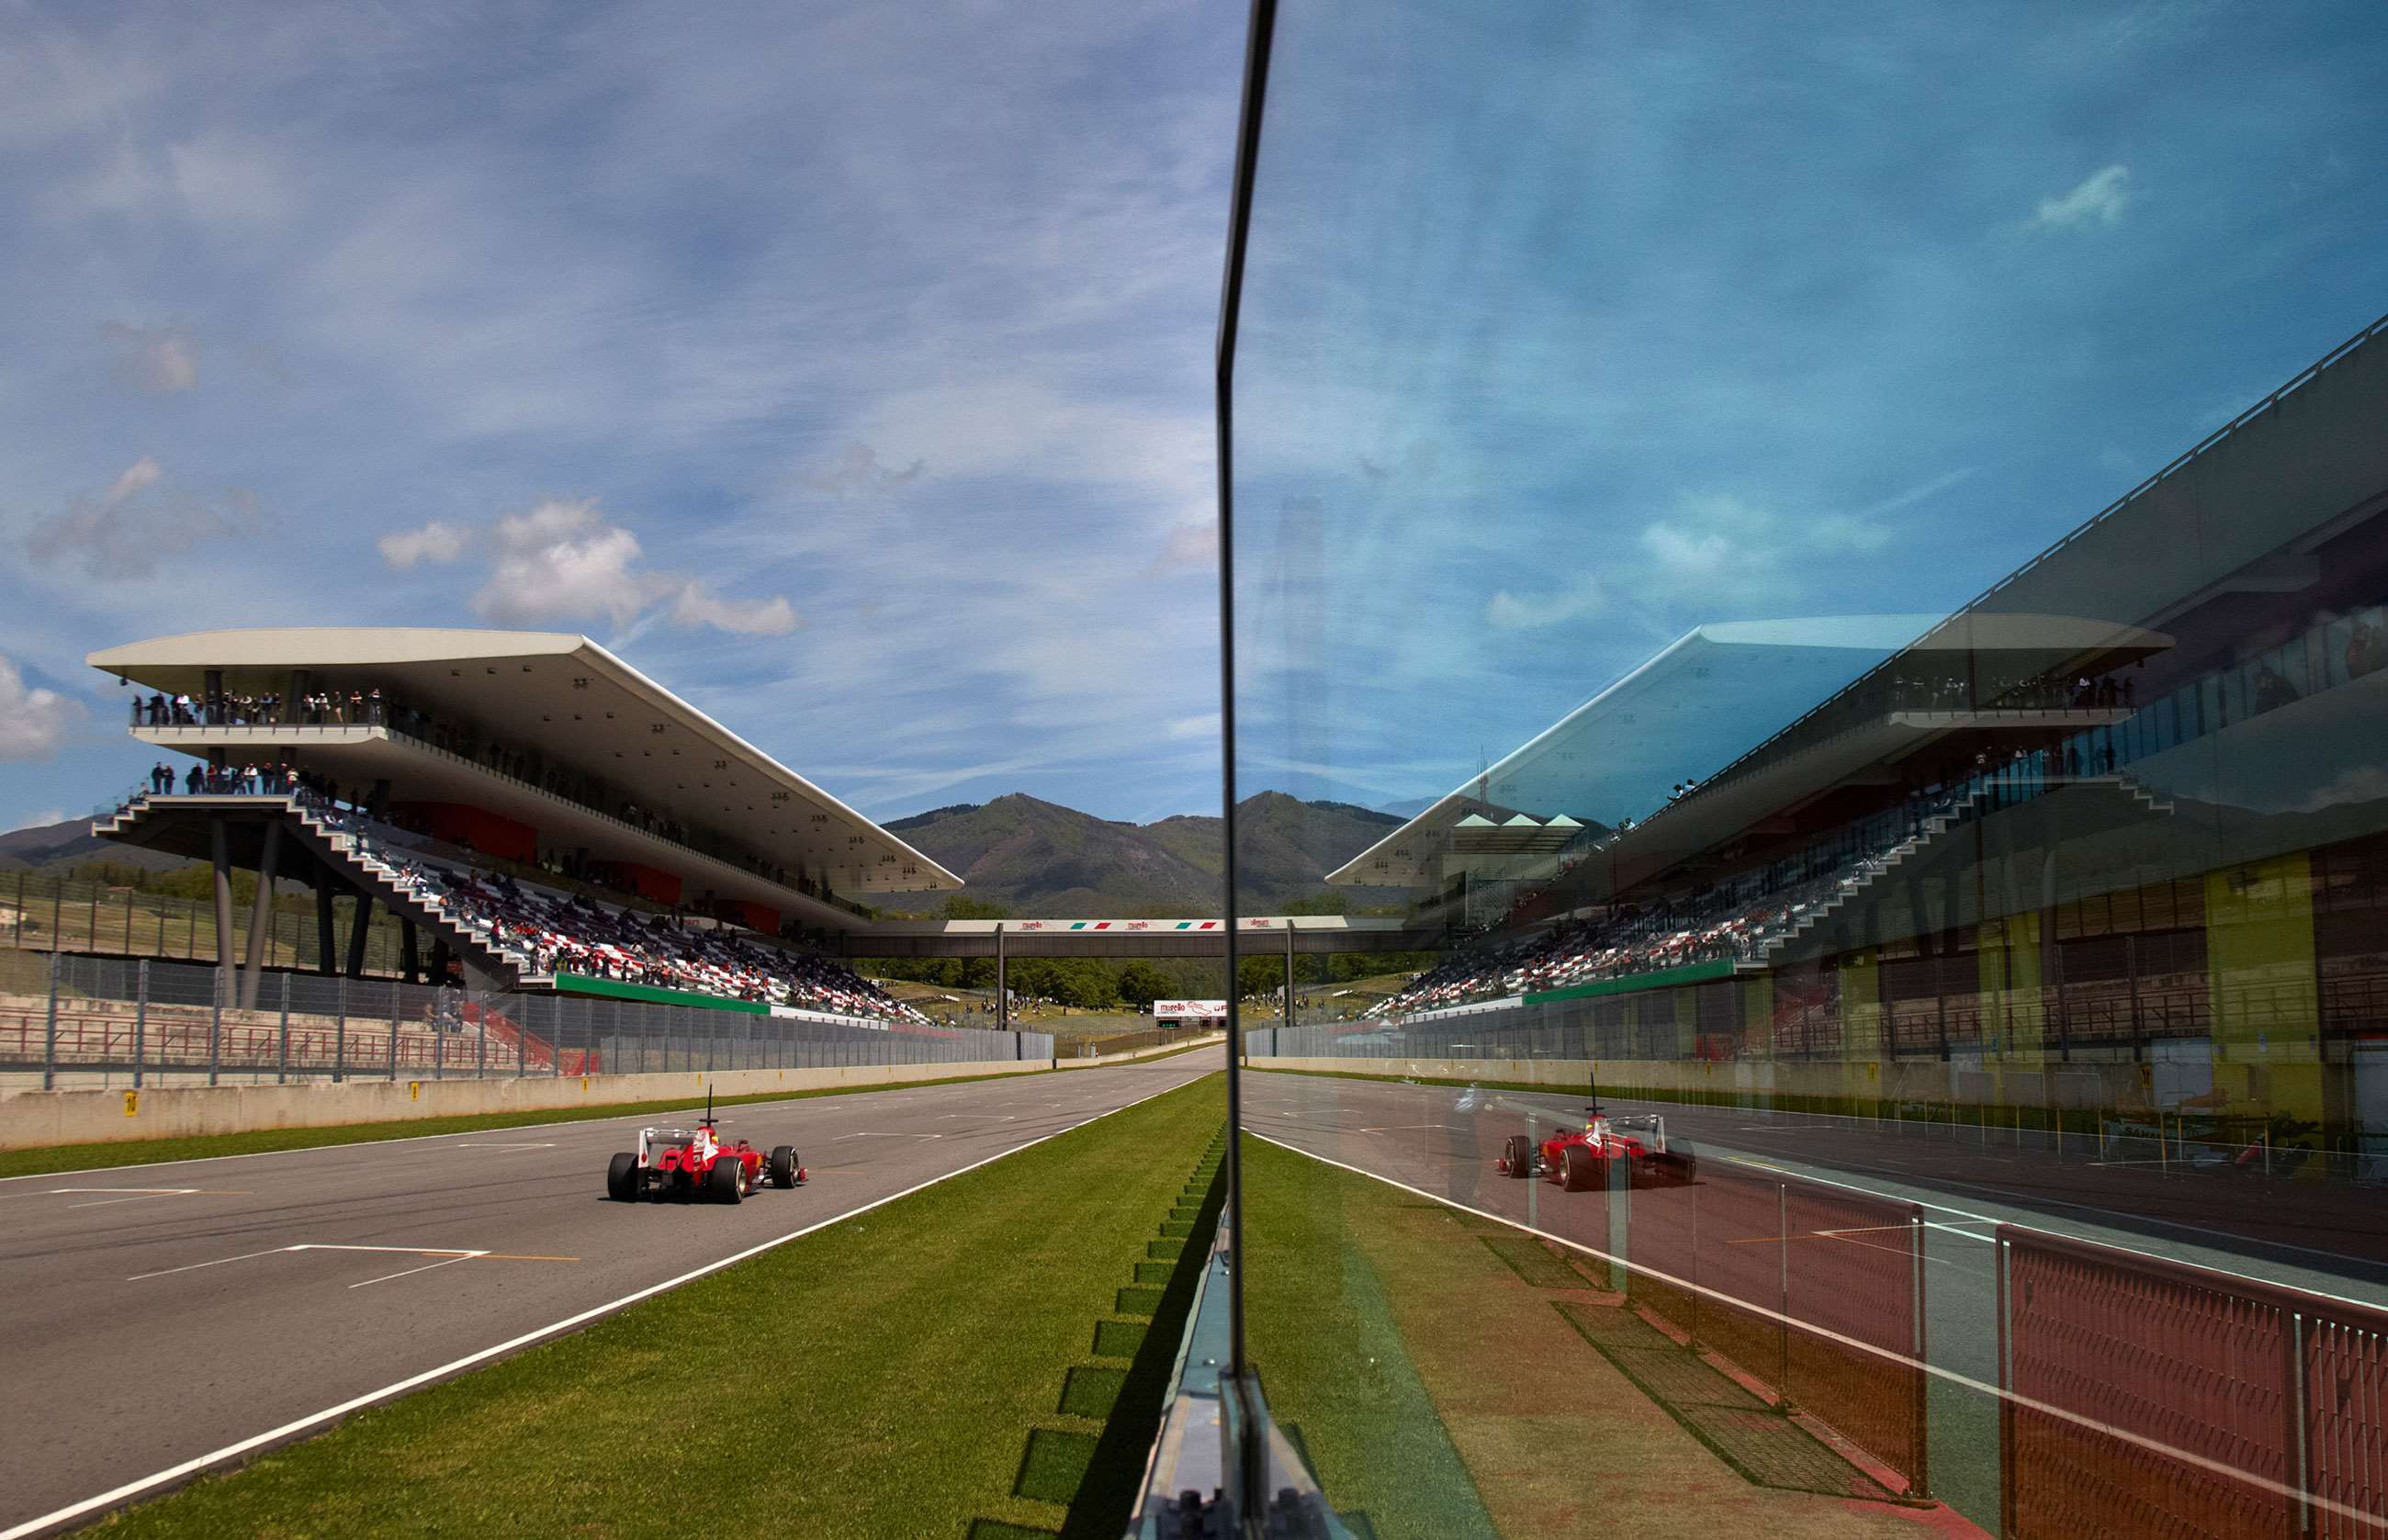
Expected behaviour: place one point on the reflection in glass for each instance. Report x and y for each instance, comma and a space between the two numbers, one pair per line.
1883, 995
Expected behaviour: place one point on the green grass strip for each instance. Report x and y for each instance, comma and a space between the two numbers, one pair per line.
1332, 1360
142, 1152
879, 1378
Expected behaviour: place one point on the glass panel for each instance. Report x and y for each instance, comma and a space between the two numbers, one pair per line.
1802, 1033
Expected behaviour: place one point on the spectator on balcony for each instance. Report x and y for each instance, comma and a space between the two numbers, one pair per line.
195, 782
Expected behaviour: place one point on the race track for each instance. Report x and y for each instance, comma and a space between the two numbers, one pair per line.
159, 1314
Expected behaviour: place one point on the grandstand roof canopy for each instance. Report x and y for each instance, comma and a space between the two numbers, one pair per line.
561, 695
1691, 707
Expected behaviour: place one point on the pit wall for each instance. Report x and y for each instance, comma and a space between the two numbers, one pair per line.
31, 1119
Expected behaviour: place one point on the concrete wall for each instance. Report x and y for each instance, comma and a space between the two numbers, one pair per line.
33, 1118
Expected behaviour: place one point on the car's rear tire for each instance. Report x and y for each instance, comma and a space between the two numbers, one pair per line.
1579, 1172
622, 1179
783, 1165
1517, 1156
722, 1184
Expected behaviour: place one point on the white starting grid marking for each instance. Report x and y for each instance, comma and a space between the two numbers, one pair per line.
137, 1194
448, 1257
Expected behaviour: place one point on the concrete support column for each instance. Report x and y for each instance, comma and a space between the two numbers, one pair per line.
358, 929
217, 852
327, 944
1002, 995
260, 917
410, 952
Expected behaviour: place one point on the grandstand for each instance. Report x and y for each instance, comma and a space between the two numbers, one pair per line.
539, 815
2122, 810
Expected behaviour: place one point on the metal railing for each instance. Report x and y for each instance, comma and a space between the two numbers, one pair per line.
71, 1022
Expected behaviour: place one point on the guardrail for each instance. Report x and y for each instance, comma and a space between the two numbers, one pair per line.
97, 1020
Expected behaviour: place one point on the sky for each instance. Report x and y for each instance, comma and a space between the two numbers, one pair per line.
1570, 328
847, 367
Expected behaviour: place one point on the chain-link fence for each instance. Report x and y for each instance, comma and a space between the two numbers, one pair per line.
68, 1021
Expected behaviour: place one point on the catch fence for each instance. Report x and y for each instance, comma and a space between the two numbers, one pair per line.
1803, 1270
2153, 1397
99, 1021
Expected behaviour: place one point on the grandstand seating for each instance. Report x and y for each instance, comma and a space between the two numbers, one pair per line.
1728, 922
534, 933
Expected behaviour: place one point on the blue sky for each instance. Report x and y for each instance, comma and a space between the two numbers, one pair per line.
843, 366
847, 366
1572, 327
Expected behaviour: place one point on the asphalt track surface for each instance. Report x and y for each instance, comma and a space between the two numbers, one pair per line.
158, 1314
1441, 1141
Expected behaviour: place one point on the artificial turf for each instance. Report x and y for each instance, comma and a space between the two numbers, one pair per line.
881, 1377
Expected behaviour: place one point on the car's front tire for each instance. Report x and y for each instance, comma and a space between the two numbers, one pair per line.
783, 1165
1577, 1169
622, 1179
1518, 1156
722, 1184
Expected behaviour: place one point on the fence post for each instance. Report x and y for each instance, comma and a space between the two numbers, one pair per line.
282, 1052
555, 1037
397, 1003
2301, 1515
215, 1024
340, 1033
128, 922
522, 1032
1782, 1229
481, 1048
1922, 1479
17, 932
50, 1032
140, 1019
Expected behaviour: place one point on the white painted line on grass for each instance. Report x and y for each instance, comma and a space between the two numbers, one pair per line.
139, 1485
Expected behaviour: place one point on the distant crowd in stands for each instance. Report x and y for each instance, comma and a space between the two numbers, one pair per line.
547, 933
370, 707
227, 709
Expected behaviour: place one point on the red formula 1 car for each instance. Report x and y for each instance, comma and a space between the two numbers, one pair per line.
1579, 1160
693, 1163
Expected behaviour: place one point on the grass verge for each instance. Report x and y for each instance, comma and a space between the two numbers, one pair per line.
142, 1152
877, 1379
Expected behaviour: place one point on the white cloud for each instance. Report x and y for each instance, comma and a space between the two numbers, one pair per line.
2100, 198
33, 720
1203, 726
1581, 600
748, 617
436, 542
43, 819
561, 560
142, 516
858, 469
159, 361
1188, 547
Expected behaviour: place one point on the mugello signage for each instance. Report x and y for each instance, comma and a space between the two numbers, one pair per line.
1189, 1010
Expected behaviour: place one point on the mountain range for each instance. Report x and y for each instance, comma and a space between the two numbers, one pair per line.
1037, 857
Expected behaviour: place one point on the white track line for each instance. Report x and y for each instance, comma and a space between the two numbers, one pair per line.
448, 1262
133, 1488
2185, 1456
